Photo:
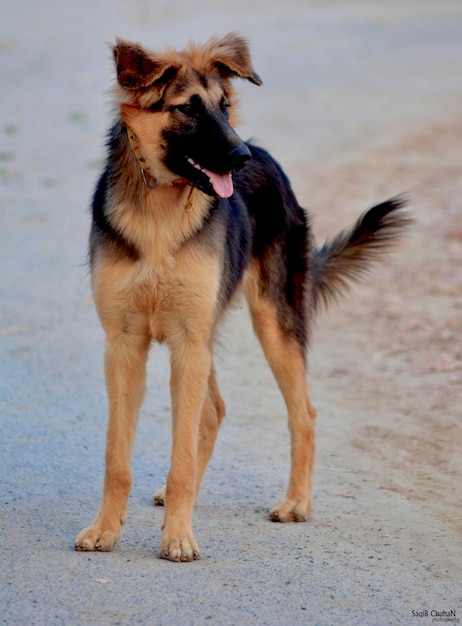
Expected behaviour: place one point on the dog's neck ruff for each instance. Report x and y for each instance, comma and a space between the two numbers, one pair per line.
146, 170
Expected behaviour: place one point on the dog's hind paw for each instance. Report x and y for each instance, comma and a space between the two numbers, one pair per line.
159, 497
94, 538
291, 511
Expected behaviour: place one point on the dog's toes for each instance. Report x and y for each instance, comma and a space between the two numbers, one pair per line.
179, 550
291, 511
94, 538
159, 497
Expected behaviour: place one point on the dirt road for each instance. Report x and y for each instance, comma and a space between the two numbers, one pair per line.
361, 101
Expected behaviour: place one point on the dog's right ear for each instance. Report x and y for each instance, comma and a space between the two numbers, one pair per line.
138, 68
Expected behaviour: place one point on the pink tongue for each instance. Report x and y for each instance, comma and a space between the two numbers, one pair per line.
222, 183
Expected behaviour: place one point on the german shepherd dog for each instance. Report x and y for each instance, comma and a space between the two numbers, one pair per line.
185, 215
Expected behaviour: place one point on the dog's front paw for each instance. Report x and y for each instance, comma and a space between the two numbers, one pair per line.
159, 497
291, 511
96, 537
179, 549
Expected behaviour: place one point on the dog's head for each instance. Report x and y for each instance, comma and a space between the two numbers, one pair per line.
181, 107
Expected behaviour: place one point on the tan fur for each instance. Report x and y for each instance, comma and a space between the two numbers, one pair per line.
174, 302
162, 282
288, 366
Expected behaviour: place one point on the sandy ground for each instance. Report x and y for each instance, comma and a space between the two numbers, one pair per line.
361, 101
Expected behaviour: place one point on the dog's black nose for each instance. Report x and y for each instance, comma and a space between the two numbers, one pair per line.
239, 157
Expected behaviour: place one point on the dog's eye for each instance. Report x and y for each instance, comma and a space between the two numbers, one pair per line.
185, 109
224, 105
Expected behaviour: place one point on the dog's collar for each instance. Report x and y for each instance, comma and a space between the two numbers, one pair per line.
146, 170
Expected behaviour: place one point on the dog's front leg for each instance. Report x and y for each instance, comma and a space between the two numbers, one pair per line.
125, 365
190, 367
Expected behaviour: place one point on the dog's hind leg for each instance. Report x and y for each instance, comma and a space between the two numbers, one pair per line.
287, 360
125, 364
212, 416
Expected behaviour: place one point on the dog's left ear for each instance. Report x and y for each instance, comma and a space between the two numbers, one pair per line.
230, 57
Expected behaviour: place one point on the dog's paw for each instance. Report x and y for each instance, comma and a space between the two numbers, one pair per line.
96, 538
179, 549
291, 511
159, 497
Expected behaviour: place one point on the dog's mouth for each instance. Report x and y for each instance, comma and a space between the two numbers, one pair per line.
210, 182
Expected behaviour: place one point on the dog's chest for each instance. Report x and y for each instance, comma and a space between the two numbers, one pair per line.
155, 292
179, 292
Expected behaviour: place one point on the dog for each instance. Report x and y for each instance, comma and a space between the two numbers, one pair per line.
184, 216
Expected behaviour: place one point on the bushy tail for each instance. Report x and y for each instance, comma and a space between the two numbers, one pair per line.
348, 257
